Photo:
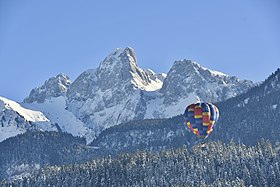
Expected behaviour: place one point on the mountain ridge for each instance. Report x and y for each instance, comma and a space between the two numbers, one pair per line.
118, 91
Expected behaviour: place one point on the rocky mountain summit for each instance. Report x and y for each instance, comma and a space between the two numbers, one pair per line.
53, 87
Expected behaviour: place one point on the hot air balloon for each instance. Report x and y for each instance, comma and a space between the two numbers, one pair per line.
200, 118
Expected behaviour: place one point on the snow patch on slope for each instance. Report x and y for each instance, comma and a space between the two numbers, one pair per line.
15, 119
55, 110
29, 115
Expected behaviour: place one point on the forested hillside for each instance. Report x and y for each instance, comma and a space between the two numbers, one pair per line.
33, 150
253, 115
217, 164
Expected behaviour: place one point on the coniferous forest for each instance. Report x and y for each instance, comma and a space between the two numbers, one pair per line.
216, 164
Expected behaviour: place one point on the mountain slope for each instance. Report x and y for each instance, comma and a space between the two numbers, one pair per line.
16, 119
50, 99
252, 115
54, 109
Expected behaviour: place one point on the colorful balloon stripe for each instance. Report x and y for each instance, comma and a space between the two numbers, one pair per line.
201, 117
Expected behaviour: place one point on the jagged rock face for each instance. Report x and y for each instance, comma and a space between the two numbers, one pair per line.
121, 68
112, 93
84, 87
54, 87
114, 70
187, 77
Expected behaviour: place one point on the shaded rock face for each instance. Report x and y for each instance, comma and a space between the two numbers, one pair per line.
83, 87
54, 87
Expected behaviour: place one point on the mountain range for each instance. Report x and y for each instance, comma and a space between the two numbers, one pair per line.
117, 91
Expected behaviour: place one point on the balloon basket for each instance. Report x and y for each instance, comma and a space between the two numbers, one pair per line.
201, 143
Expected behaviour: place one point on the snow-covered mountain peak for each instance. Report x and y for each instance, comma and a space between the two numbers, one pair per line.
115, 69
113, 92
123, 58
129, 52
120, 69
53, 87
187, 76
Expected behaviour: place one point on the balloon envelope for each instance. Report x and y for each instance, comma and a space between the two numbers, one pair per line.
200, 118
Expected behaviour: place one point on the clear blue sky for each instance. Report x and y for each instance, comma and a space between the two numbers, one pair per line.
40, 39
